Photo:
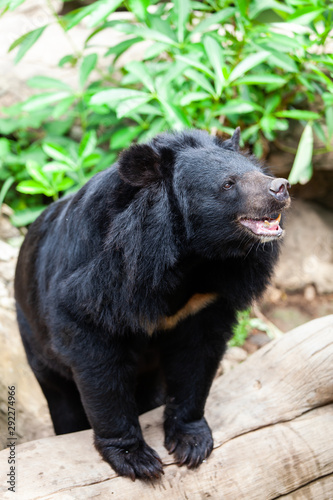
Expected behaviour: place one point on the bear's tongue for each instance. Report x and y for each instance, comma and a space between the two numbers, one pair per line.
263, 227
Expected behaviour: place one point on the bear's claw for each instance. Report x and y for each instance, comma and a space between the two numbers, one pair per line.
139, 462
190, 443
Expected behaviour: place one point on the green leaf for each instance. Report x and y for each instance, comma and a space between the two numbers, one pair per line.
158, 125
327, 98
282, 61
112, 97
195, 64
201, 80
298, 114
141, 72
123, 137
35, 171
155, 50
193, 96
5, 188
272, 102
319, 131
62, 107
102, 10
237, 106
88, 144
88, 64
121, 47
12, 4
27, 216
183, 9
241, 329
102, 27
45, 82
64, 184
250, 132
91, 160
214, 54
248, 63
42, 100
70, 59
302, 168
176, 119
329, 121
4, 147
126, 107
211, 19
59, 127
261, 79
283, 42
242, 6
258, 6
76, 16
55, 166
139, 8
145, 33
33, 187
26, 42
163, 26
324, 78
174, 71
57, 153
149, 109
305, 16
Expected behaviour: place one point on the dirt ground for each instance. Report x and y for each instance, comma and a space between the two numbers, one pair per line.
293, 309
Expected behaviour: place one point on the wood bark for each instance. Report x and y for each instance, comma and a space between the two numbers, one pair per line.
272, 421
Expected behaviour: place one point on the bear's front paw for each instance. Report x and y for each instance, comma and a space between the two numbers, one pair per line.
130, 457
190, 442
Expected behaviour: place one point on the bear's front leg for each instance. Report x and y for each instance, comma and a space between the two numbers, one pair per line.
191, 354
106, 379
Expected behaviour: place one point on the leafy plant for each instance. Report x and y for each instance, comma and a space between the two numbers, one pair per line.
212, 65
241, 330
246, 323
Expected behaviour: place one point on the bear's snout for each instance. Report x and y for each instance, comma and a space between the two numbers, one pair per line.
279, 189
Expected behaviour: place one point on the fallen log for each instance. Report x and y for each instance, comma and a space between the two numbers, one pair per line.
272, 420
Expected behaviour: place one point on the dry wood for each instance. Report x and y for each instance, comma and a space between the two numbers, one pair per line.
272, 419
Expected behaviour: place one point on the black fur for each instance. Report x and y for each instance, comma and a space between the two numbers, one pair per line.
99, 272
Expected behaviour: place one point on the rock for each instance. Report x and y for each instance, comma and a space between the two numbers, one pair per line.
7, 252
44, 56
7, 230
7, 271
258, 339
3, 289
273, 294
309, 293
307, 253
7, 303
32, 414
235, 354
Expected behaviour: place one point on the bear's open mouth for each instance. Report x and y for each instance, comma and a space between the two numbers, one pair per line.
266, 229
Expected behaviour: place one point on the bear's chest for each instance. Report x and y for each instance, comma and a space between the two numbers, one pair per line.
196, 303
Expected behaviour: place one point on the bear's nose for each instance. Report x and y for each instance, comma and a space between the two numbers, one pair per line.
279, 189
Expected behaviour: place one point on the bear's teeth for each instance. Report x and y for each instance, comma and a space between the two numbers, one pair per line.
264, 227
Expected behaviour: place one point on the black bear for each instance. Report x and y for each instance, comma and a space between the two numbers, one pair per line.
127, 291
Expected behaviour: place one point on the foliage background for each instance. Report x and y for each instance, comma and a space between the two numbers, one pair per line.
212, 65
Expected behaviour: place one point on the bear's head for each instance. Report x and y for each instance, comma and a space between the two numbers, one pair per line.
226, 200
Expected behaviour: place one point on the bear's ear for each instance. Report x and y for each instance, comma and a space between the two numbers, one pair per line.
139, 165
232, 144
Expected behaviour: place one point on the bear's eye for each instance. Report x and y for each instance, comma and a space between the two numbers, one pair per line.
228, 185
